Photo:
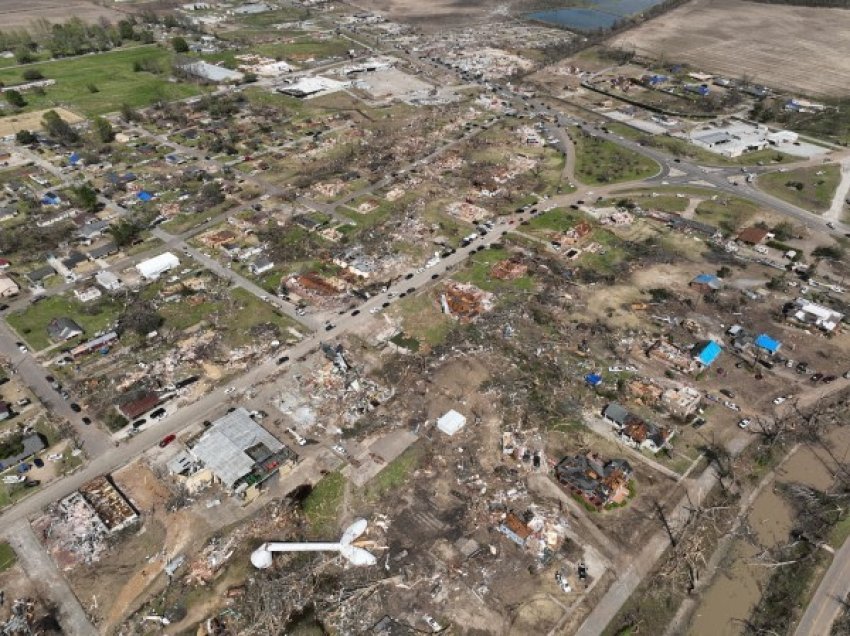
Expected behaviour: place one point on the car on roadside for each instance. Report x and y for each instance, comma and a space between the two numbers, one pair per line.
828, 379
167, 440
744, 423
283, 359
339, 448
86, 421
75, 407
780, 399
229, 390
816, 377
157, 414
21, 347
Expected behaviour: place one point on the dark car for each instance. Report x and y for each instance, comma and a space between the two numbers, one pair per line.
355, 312
4, 307
829, 378
282, 359
410, 290
408, 276
39, 462
87, 421
385, 305
816, 377
75, 407
329, 327
167, 440
157, 413
434, 276
32, 483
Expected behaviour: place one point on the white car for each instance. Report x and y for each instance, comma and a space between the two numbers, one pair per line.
563, 583
780, 399
375, 310
744, 423
339, 448
229, 390
434, 625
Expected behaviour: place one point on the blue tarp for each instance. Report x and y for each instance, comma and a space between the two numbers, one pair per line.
593, 379
707, 279
709, 352
144, 195
74, 158
50, 199
763, 341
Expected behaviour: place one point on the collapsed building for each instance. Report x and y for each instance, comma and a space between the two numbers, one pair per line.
465, 301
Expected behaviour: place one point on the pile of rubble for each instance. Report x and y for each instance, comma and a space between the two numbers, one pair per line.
465, 301
72, 532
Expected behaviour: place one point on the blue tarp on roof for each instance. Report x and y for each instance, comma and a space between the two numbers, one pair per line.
593, 379
709, 352
763, 341
144, 195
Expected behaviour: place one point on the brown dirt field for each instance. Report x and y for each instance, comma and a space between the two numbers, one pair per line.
436, 14
792, 48
15, 14
32, 120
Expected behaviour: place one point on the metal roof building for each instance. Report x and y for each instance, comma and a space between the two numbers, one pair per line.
158, 265
237, 449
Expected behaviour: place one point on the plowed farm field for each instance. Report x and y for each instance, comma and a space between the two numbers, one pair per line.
798, 49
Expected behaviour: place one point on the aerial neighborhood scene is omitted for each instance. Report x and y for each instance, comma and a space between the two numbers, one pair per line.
389, 318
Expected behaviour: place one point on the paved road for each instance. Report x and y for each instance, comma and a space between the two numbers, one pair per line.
826, 604
34, 559
93, 439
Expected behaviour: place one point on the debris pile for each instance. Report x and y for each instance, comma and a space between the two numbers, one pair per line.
465, 301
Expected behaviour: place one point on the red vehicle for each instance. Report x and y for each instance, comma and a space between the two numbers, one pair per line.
167, 440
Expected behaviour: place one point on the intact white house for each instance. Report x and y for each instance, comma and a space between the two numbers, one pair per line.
153, 268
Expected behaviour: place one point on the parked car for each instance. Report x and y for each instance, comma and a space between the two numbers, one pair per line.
829, 378
167, 440
39, 462
157, 414
744, 423
21, 347
75, 407
283, 359
87, 421
816, 377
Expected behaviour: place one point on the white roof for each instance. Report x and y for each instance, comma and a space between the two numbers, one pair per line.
222, 447
212, 72
107, 279
451, 422
155, 266
311, 85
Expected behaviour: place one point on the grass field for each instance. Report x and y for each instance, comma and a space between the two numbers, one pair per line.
32, 323
7, 556
321, 507
818, 186
422, 319
113, 76
395, 474
478, 269
729, 214
599, 161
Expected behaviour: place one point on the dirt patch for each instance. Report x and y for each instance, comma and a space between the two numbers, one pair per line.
781, 46
15, 14
32, 120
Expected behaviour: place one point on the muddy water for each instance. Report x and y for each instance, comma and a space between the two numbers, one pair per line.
735, 591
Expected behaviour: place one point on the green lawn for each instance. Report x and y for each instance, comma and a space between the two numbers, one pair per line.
252, 312
7, 556
477, 272
321, 507
729, 213
306, 49
112, 74
555, 220
809, 188
32, 323
395, 474
422, 320
599, 161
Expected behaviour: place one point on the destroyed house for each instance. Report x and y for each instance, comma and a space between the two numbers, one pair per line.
596, 482
515, 529
705, 283
239, 452
635, 431
111, 506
